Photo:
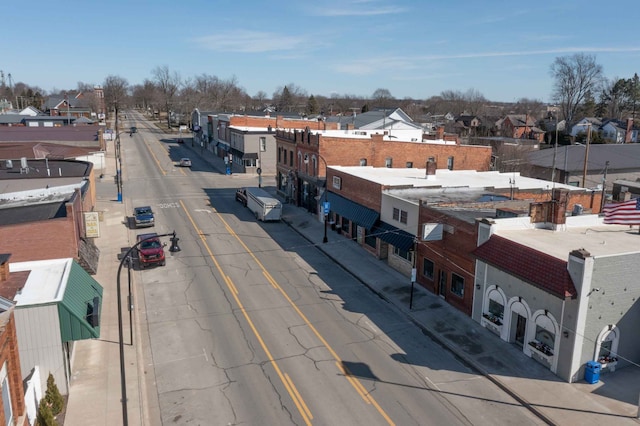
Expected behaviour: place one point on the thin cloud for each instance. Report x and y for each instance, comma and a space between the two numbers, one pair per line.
250, 42
357, 8
369, 66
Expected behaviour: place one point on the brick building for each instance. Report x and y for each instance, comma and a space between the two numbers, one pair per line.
45, 207
426, 218
304, 155
10, 372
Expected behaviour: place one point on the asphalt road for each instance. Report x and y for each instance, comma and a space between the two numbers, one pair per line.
251, 324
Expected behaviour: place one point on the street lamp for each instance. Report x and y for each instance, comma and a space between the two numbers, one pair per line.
126, 258
325, 205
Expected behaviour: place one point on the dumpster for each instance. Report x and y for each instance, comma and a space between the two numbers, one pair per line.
592, 372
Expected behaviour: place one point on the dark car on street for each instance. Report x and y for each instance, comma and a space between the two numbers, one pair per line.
241, 196
143, 216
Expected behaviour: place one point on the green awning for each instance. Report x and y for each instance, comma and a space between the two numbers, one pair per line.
353, 211
79, 310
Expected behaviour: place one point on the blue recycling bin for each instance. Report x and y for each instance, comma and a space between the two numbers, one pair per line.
592, 372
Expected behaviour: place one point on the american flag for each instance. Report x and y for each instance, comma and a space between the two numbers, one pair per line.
627, 213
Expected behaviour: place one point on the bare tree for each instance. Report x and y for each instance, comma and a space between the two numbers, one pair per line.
115, 92
382, 98
575, 77
168, 83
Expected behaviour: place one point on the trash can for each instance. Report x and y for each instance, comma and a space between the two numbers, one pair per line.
592, 372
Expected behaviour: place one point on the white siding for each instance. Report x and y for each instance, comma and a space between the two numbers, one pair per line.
40, 343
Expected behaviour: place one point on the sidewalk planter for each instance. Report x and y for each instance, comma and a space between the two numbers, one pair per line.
492, 323
608, 364
541, 353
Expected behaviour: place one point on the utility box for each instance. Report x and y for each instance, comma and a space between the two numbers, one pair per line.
592, 372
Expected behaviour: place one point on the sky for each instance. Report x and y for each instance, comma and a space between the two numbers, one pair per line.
413, 48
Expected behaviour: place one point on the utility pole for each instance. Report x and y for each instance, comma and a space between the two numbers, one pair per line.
604, 185
586, 155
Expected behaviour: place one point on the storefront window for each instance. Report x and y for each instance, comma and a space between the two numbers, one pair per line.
457, 285
370, 240
427, 268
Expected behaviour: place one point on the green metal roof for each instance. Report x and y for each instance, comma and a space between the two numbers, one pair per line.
78, 304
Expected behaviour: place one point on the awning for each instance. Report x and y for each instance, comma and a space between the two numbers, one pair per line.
79, 310
394, 236
250, 155
355, 212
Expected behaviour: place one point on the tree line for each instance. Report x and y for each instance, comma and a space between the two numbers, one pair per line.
579, 90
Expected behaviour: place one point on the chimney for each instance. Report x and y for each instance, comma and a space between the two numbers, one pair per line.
4, 267
559, 200
431, 170
627, 135
440, 133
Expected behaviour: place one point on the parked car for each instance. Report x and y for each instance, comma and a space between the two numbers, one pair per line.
133, 130
143, 216
241, 195
185, 162
180, 140
150, 250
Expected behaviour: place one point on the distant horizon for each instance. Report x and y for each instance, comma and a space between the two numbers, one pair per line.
345, 48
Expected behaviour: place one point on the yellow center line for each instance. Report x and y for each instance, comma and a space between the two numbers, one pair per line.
302, 407
353, 380
154, 158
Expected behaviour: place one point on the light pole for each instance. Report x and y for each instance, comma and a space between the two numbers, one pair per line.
325, 206
125, 258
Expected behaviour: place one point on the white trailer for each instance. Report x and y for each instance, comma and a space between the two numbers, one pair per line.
263, 204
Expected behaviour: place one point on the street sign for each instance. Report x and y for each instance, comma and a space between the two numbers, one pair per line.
326, 206
259, 170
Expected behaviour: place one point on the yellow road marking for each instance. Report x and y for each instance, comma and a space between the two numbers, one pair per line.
353, 380
302, 407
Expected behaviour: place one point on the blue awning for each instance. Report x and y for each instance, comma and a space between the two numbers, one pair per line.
355, 212
394, 236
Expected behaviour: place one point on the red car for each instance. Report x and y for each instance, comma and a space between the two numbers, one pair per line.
150, 250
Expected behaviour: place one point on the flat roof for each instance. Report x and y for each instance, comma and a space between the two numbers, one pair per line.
46, 282
581, 232
445, 178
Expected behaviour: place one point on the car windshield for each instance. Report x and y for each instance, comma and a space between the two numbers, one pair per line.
150, 244
143, 211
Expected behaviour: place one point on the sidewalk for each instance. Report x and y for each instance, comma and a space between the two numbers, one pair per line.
613, 400
95, 393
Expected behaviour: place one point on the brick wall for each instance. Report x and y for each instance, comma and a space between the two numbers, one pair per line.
47, 239
349, 151
452, 255
358, 190
9, 355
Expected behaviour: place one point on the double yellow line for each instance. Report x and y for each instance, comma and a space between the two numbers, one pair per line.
286, 380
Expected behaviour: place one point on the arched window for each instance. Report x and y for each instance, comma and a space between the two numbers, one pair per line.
607, 344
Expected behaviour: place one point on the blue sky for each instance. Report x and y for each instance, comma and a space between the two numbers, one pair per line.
413, 48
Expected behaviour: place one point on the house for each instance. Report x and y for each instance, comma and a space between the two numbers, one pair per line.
520, 126
596, 164
565, 294
581, 126
56, 303
387, 119
618, 131
467, 125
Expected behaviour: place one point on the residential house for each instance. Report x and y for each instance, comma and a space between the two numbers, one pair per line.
566, 294
387, 119
467, 125
618, 131
582, 125
520, 126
